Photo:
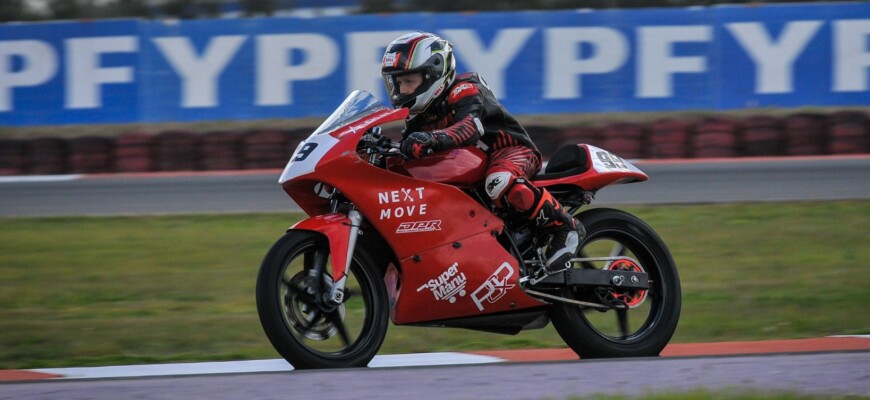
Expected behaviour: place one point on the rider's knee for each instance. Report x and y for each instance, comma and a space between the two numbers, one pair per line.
508, 191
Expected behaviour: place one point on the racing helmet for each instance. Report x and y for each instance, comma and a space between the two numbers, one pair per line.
418, 52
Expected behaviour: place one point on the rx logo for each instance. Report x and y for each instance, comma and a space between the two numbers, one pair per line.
495, 287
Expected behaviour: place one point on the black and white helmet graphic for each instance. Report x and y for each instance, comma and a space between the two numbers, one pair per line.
418, 52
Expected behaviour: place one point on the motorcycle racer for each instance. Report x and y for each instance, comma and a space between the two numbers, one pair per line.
449, 111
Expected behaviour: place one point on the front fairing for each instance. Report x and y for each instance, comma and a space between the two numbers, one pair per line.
347, 123
333, 146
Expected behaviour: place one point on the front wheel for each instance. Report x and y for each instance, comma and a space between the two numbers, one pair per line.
306, 329
645, 325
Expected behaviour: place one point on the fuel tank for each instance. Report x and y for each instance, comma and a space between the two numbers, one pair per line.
463, 167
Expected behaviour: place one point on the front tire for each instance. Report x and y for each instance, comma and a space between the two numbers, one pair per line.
645, 328
307, 331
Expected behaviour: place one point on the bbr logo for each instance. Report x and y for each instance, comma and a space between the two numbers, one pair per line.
419, 226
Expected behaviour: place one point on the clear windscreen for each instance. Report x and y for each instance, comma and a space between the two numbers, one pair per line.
357, 105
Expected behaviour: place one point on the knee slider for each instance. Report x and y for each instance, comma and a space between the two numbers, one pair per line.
497, 183
522, 196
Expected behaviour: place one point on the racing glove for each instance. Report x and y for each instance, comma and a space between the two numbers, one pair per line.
421, 144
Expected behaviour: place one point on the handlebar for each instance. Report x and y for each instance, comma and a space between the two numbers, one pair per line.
383, 145
376, 143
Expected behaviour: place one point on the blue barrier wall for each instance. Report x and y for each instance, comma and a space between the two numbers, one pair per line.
718, 58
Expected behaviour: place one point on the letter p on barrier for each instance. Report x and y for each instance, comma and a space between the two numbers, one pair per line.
37, 63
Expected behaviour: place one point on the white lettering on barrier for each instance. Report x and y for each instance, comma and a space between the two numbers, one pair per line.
492, 63
774, 59
851, 55
39, 65
199, 74
656, 64
276, 70
84, 75
280, 60
564, 67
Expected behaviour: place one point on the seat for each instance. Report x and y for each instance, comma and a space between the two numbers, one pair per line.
569, 160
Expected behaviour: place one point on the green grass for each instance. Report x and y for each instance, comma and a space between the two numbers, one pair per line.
123, 290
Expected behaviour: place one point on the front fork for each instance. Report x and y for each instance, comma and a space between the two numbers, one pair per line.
336, 294
341, 231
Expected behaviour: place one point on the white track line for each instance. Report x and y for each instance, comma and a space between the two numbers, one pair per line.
277, 365
39, 178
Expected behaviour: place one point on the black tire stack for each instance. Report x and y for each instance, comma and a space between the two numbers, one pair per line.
221, 151
805, 134
14, 157
90, 154
176, 151
761, 135
627, 140
669, 138
848, 133
714, 138
134, 152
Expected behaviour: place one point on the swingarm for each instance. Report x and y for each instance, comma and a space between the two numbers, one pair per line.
605, 279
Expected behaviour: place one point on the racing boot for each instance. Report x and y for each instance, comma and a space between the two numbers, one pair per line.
567, 233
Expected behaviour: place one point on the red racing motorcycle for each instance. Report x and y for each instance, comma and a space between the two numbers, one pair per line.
418, 242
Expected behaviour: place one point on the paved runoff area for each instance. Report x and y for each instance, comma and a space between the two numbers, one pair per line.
813, 345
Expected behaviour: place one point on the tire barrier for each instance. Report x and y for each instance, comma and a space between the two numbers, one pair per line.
799, 134
90, 154
669, 138
221, 151
804, 134
14, 157
48, 156
177, 151
134, 152
628, 140
580, 134
546, 138
761, 135
847, 133
714, 138
266, 149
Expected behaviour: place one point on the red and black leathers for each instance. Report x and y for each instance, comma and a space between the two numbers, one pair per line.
469, 113
454, 114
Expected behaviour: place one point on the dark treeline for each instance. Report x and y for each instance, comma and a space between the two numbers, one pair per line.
17, 10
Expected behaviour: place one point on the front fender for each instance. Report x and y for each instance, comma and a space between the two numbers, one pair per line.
336, 228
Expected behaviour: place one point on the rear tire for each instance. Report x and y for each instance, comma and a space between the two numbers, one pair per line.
646, 328
309, 333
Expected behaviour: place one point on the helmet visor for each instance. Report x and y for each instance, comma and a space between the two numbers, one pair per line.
393, 87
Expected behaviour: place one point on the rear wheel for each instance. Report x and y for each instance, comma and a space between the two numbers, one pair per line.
301, 324
650, 318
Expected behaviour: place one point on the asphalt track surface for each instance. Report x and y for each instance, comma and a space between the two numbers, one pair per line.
824, 374
555, 374
671, 182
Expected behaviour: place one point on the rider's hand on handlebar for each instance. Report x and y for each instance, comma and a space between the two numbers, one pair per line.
369, 140
418, 145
